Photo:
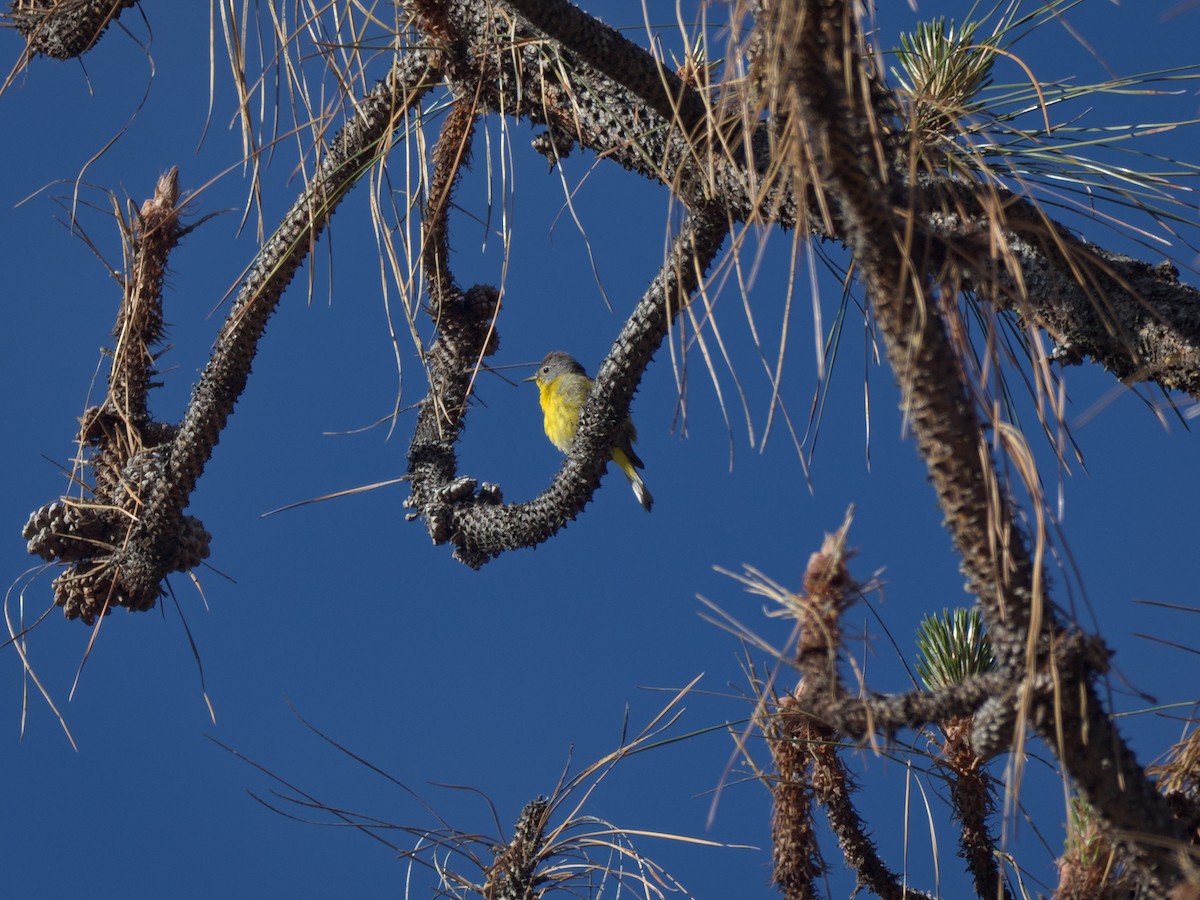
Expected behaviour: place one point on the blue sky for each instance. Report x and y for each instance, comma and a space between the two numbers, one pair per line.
496, 680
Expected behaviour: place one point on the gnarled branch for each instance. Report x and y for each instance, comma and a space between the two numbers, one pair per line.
476, 523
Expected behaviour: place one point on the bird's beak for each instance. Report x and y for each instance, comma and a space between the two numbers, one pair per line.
532, 377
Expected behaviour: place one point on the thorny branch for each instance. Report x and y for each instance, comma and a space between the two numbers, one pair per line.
63, 29
1150, 330
807, 730
914, 239
804, 743
476, 523
513, 874
900, 268
122, 561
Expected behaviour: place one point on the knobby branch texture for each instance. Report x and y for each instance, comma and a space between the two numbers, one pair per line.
902, 269
122, 561
476, 523
806, 733
1157, 333
828, 592
819, 156
127, 447
63, 29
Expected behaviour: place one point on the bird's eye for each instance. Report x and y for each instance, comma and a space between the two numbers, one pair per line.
545, 370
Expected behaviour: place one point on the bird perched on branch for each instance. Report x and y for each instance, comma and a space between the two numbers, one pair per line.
563, 386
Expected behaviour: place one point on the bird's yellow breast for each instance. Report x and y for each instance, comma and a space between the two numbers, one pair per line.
561, 400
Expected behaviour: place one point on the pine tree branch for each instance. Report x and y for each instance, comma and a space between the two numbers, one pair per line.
611, 53
897, 265
1134, 318
127, 569
476, 523
63, 29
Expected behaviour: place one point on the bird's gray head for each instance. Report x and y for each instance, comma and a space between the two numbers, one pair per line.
555, 365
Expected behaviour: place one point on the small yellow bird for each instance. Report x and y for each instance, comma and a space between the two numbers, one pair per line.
563, 386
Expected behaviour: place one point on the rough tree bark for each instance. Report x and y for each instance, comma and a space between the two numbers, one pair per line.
812, 146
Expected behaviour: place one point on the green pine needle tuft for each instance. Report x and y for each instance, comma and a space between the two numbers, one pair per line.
952, 647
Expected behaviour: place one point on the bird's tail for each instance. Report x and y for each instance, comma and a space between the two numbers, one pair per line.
621, 458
